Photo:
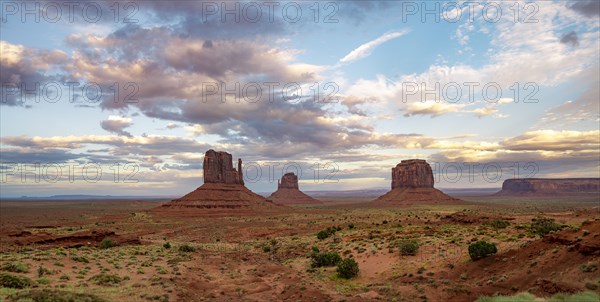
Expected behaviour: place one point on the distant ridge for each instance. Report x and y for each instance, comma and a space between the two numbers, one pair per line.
88, 197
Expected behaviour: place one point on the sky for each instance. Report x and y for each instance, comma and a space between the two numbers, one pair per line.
124, 98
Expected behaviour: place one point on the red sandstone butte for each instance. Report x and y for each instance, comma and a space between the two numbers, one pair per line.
223, 187
412, 181
288, 192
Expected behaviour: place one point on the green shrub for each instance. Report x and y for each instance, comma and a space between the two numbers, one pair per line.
106, 279
347, 268
107, 243
408, 247
167, 245
542, 226
186, 248
499, 224
80, 259
17, 267
47, 295
13, 281
324, 259
481, 249
324, 234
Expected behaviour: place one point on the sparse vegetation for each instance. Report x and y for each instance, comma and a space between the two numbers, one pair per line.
527, 297
17, 267
106, 279
481, 249
185, 248
50, 295
542, 226
328, 232
499, 224
14, 281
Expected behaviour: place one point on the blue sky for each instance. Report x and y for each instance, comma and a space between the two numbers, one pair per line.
369, 56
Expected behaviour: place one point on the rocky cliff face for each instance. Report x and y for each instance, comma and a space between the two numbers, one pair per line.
288, 181
218, 168
412, 173
550, 186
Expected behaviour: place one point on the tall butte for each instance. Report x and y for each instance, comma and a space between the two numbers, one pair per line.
412, 181
223, 187
289, 193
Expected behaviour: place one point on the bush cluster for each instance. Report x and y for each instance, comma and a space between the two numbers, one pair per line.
481, 249
347, 268
107, 243
324, 259
408, 247
327, 232
186, 248
543, 226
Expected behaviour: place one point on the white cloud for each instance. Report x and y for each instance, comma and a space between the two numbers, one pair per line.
366, 49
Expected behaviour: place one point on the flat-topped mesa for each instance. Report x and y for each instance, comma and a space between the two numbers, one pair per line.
218, 168
550, 186
412, 173
288, 181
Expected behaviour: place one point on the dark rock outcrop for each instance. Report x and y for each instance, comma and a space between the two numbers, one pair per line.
412, 182
550, 186
289, 193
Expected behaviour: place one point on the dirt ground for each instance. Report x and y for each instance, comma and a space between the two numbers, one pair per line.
266, 257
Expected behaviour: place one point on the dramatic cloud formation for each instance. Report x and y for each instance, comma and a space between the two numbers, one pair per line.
277, 90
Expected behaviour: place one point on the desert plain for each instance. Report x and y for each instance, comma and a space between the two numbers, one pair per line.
126, 250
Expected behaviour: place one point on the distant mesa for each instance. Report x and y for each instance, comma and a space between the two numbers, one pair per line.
288, 192
223, 187
550, 186
412, 181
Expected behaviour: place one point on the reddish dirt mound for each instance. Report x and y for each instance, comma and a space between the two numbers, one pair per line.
215, 196
292, 196
85, 238
416, 195
544, 267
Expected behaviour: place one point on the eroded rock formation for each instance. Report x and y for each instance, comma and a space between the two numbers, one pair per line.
223, 188
412, 182
547, 186
412, 173
218, 168
288, 192
288, 181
